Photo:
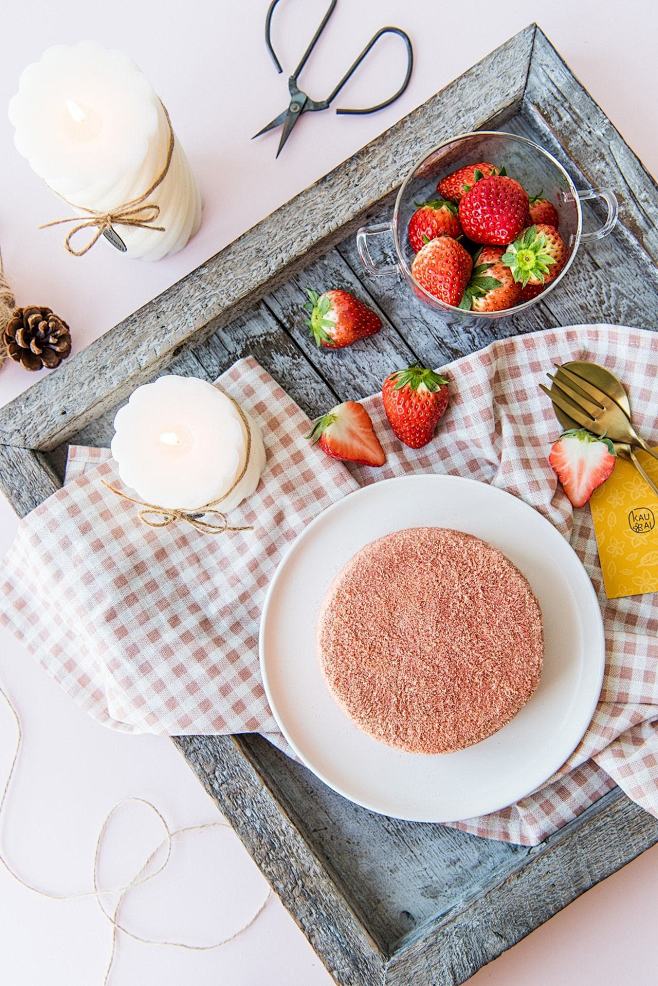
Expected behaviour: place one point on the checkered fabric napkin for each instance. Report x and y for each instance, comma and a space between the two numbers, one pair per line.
157, 630
159, 634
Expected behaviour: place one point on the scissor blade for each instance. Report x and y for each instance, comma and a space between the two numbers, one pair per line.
276, 122
291, 120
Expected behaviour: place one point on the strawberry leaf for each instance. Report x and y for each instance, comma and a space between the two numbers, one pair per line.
320, 425
417, 376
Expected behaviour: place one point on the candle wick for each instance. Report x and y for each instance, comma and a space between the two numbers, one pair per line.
170, 438
76, 111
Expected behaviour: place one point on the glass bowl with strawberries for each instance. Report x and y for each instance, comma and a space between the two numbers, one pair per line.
484, 225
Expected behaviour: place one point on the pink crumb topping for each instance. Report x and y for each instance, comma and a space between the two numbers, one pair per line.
431, 639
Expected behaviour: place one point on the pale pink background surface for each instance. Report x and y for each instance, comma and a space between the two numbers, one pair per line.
208, 62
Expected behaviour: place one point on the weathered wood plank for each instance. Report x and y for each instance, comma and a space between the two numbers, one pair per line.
253, 265
260, 335
588, 137
399, 874
231, 776
354, 372
26, 478
572, 861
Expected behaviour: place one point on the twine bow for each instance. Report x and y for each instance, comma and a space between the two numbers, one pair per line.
155, 516
136, 213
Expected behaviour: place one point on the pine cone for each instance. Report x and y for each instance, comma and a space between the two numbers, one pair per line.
36, 337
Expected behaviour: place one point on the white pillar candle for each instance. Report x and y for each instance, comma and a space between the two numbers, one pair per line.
90, 124
181, 442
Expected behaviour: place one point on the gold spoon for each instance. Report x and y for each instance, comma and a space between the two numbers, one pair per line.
606, 381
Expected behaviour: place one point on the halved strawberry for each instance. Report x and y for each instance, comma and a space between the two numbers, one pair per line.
432, 219
537, 256
581, 462
346, 432
454, 185
543, 211
491, 287
338, 319
443, 267
415, 400
494, 210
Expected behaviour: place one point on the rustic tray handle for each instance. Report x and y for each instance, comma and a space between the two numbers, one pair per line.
377, 270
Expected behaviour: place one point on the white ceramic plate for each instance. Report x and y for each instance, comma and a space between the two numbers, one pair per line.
490, 775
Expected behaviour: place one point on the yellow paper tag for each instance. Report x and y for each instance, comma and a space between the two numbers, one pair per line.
624, 511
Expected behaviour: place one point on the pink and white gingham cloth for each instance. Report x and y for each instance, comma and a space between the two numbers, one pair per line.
157, 631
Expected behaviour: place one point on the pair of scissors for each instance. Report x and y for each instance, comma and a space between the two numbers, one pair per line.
300, 102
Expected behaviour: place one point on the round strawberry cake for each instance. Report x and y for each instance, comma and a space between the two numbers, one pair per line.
431, 639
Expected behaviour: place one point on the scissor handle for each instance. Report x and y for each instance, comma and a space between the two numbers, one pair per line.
352, 69
313, 42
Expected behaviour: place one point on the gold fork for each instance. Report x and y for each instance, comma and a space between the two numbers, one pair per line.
588, 406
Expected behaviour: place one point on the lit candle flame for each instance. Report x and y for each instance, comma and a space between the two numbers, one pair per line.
76, 111
170, 438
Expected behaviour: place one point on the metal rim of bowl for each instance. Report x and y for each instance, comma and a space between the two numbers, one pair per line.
435, 302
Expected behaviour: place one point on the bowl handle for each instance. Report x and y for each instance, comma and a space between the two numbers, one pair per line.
377, 270
610, 199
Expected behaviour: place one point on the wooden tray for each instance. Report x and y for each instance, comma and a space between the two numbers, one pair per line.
381, 901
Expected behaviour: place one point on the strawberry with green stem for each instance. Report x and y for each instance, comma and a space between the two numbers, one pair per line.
537, 256
338, 319
492, 287
346, 432
457, 183
582, 462
543, 211
415, 400
443, 268
494, 210
437, 217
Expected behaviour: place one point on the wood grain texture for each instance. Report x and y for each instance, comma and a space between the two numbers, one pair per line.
232, 777
568, 864
401, 875
382, 901
587, 136
26, 478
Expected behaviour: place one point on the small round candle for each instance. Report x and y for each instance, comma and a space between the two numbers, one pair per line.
180, 442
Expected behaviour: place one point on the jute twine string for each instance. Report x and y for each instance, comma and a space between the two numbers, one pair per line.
154, 516
136, 212
142, 876
7, 306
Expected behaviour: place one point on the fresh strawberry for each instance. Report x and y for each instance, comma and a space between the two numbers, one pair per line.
491, 287
537, 256
346, 432
443, 268
338, 319
581, 462
543, 211
454, 185
494, 210
435, 218
415, 400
